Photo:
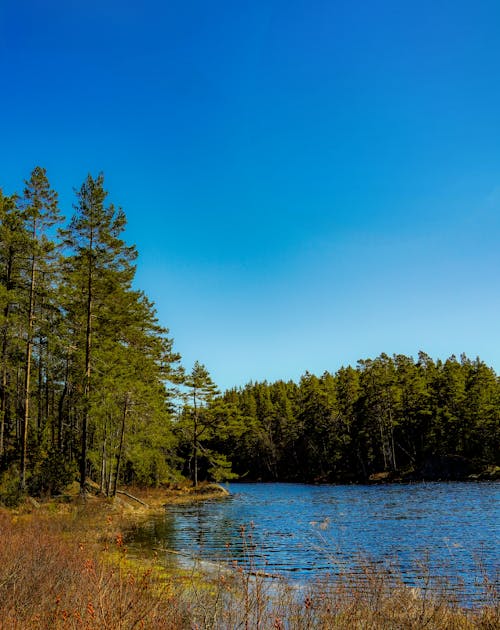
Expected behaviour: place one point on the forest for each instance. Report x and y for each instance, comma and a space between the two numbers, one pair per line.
92, 390
387, 418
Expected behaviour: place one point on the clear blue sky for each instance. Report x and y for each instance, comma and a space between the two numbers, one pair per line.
308, 183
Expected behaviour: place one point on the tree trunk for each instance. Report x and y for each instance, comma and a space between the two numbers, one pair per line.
5, 344
3, 406
195, 443
103, 460
86, 393
41, 394
120, 447
27, 378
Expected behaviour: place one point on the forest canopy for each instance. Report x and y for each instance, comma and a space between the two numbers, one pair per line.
92, 389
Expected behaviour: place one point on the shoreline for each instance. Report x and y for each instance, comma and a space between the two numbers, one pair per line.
110, 583
377, 479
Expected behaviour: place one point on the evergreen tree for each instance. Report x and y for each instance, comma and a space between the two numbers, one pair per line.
316, 415
348, 392
287, 428
131, 417
98, 263
40, 213
201, 391
379, 401
13, 241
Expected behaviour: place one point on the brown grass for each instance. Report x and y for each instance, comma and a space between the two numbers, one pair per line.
51, 579
68, 568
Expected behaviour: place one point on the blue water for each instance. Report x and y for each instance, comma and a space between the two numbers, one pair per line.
449, 531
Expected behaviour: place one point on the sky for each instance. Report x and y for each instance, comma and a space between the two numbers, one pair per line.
308, 183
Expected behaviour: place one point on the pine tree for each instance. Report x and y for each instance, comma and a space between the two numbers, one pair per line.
201, 391
98, 263
13, 243
40, 213
130, 413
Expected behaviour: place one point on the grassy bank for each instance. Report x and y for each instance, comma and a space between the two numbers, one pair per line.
66, 566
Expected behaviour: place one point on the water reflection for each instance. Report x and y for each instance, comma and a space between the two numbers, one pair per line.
305, 532
152, 533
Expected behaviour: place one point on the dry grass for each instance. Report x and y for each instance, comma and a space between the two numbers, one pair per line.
69, 569
178, 493
49, 579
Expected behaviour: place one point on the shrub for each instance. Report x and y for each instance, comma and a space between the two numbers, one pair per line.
52, 475
10, 493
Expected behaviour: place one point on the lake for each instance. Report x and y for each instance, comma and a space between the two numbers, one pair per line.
308, 532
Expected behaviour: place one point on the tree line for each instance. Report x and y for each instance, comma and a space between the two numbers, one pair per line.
409, 419
91, 387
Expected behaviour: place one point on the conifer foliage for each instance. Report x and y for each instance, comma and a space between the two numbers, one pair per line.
84, 363
388, 418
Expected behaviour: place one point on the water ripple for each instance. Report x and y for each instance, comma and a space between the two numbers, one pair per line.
447, 530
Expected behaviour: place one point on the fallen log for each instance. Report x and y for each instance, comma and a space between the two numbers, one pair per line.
130, 496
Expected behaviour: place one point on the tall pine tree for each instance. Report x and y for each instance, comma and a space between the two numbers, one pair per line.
99, 261
40, 213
